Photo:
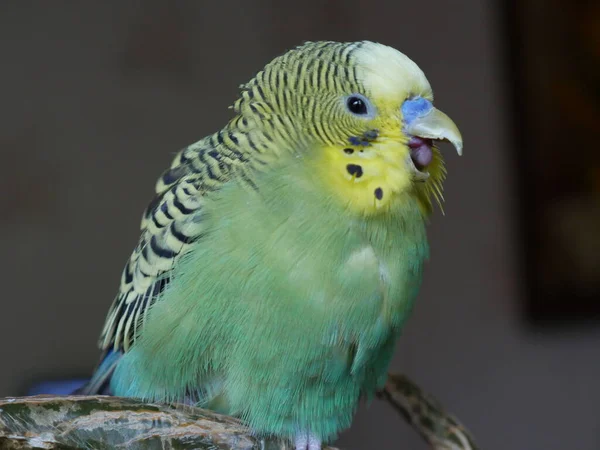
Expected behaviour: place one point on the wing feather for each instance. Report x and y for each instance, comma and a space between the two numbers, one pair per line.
170, 224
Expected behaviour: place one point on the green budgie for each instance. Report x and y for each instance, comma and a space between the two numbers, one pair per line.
282, 254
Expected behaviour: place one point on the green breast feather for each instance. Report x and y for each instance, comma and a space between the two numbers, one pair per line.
285, 313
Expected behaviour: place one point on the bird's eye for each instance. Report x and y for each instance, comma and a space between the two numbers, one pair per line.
358, 105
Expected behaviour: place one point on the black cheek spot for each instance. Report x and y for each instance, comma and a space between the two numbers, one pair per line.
378, 193
354, 170
348, 151
371, 135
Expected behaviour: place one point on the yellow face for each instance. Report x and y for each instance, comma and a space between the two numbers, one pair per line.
390, 155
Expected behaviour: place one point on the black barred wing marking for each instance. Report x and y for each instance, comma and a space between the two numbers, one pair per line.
171, 223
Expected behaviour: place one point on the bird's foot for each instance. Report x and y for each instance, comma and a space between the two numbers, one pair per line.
306, 441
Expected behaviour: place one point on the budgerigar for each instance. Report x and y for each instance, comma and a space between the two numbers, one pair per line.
281, 255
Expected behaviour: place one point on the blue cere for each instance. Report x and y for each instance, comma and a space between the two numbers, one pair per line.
416, 107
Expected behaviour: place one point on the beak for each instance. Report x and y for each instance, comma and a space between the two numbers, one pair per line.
436, 125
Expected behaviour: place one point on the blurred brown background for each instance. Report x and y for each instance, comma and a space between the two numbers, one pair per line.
556, 89
96, 98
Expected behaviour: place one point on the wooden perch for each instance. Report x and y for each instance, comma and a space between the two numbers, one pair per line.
441, 430
103, 422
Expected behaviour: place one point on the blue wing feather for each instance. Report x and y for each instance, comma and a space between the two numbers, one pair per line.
100, 382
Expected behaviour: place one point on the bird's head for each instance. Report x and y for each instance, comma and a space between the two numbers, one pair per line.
367, 112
